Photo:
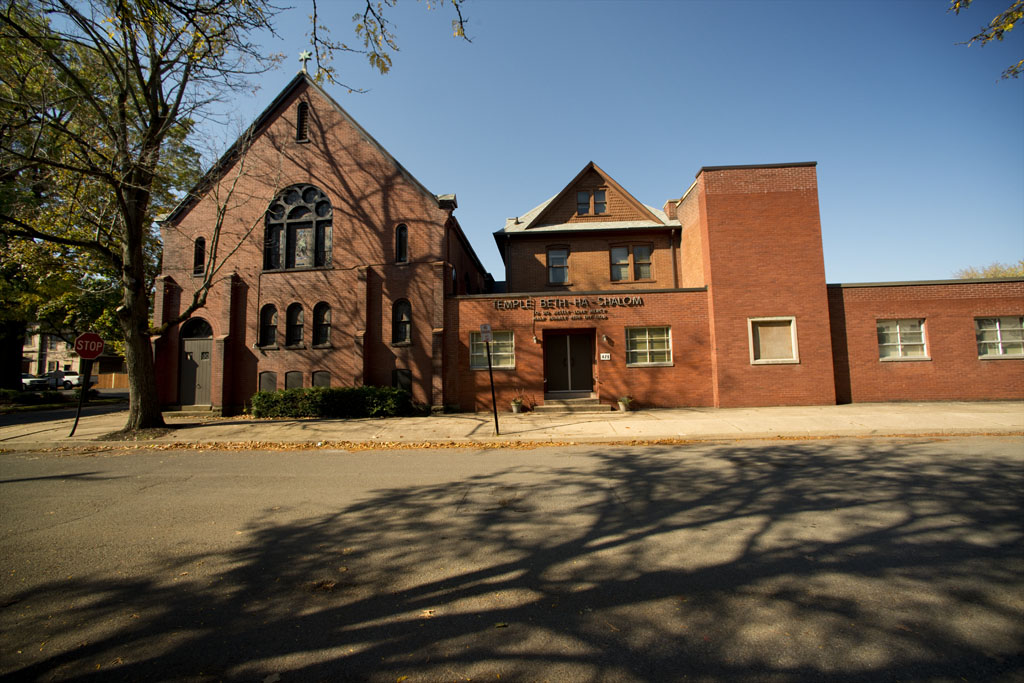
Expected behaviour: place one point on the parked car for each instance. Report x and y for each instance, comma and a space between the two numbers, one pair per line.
58, 379
31, 382
73, 379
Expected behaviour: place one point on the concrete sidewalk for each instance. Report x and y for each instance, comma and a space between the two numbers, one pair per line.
41, 430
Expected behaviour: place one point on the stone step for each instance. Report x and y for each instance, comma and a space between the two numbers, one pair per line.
192, 411
572, 405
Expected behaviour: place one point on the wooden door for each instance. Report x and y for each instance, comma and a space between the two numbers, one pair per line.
195, 371
568, 362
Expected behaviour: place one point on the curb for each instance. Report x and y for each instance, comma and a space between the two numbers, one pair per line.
486, 443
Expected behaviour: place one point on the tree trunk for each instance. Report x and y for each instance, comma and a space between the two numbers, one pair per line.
12, 341
133, 314
144, 403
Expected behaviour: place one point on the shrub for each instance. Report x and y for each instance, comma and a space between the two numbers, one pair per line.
30, 398
345, 402
88, 397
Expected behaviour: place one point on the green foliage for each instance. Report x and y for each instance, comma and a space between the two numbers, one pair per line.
996, 29
8, 396
376, 33
341, 402
88, 397
992, 270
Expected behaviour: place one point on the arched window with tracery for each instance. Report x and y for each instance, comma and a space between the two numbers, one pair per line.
199, 256
268, 325
401, 322
293, 335
298, 229
321, 324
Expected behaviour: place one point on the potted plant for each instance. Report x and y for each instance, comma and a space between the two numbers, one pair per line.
624, 402
517, 404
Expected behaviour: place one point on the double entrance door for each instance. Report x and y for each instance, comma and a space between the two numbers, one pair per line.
569, 362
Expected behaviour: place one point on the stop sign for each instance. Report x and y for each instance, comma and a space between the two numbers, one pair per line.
89, 345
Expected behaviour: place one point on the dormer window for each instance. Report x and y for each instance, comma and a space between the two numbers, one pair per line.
582, 203
302, 122
591, 202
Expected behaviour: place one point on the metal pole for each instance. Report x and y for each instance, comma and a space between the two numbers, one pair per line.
83, 389
494, 401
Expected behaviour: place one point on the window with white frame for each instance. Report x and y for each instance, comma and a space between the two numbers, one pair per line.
901, 339
648, 346
773, 340
558, 266
1001, 337
503, 352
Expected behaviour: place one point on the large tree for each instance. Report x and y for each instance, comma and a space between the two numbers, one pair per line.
97, 97
992, 270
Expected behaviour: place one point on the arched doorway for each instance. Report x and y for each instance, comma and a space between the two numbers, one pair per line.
196, 351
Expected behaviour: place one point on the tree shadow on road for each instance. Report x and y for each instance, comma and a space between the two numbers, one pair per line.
843, 561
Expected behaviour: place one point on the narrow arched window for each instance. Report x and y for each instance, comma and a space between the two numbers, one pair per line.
294, 330
298, 229
268, 326
401, 244
302, 122
401, 322
321, 324
199, 256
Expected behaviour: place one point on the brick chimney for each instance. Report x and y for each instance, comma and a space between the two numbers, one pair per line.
670, 208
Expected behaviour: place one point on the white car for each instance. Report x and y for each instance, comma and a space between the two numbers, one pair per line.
57, 379
31, 382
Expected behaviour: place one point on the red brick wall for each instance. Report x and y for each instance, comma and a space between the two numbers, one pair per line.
370, 195
685, 383
589, 262
761, 239
954, 371
691, 256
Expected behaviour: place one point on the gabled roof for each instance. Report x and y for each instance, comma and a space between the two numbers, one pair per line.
532, 222
215, 173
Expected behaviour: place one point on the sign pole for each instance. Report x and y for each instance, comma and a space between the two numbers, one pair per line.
83, 389
487, 336
494, 401
88, 346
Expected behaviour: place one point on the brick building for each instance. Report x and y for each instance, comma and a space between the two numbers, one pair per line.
342, 269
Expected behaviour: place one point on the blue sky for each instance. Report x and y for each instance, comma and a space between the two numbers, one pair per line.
920, 146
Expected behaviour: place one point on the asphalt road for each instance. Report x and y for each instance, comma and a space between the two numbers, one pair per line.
845, 560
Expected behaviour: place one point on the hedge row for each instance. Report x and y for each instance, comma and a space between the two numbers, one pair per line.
333, 402
30, 397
